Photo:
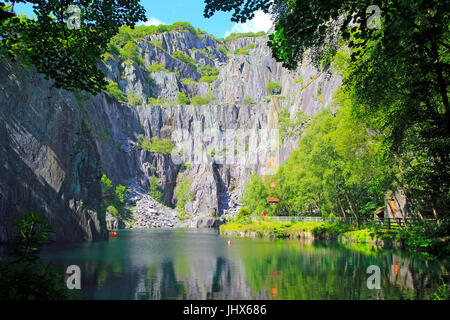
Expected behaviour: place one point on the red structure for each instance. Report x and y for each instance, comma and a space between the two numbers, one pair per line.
273, 200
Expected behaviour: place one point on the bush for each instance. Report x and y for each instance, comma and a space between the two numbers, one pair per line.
201, 101
130, 52
208, 79
133, 99
157, 68
243, 213
180, 55
249, 101
183, 99
113, 91
188, 81
143, 143
156, 145
114, 199
158, 102
207, 70
163, 146
242, 51
154, 191
183, 196
273, 88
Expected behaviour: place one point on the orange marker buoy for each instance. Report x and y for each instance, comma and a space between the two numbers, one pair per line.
113, 233
274, 292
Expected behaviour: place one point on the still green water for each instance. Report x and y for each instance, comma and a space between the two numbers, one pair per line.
190, 264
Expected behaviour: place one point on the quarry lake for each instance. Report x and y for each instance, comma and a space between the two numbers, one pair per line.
201, 264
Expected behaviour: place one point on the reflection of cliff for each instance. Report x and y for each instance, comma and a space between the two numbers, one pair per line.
177, 265
400, 273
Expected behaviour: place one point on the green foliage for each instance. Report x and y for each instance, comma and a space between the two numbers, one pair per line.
183, 195
140, 32
158, 102
223, 51
114, 198
155, 192
394, 77
159, 67
256, 194
130, 53
207, 70
28, 277
244, 212
208, 79
183, 99
235, 36
113, 49
249, 101
180, 55
143, 143
242, 51
113, 91
441, 293
68, 56
156, 43
163, 146
133, 99
289, 127
201, 101
273, 88
188, 81
335, 170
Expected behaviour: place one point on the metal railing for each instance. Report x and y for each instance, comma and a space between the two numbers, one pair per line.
390, 223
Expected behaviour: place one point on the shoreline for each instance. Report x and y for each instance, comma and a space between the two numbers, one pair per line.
311, 231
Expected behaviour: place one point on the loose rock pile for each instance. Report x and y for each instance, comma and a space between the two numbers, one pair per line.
149, 213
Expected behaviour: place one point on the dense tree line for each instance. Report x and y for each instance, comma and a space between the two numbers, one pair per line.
395, 91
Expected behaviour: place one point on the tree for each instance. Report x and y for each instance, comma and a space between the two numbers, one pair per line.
69, 56
28, 277
154, 192
395, 76
114, 199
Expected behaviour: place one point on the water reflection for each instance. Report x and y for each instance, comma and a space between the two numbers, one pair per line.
184, 264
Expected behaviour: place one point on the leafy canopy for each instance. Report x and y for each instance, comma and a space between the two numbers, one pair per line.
68, 56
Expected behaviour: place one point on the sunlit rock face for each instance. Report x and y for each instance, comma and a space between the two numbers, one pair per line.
55, 144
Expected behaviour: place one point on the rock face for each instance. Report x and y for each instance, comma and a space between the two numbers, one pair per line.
219, 145
55, 145
48, 158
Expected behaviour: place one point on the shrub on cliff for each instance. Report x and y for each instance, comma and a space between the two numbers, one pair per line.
273, 88
113, 91
183, 99
180, 55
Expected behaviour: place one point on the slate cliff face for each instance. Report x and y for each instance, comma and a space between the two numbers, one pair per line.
48, 159
55, 145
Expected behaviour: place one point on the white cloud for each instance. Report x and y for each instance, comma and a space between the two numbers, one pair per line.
261, 22
152, 22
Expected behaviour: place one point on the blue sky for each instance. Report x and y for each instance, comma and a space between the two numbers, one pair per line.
170, 11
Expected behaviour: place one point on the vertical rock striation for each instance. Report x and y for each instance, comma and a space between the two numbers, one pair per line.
55, 145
